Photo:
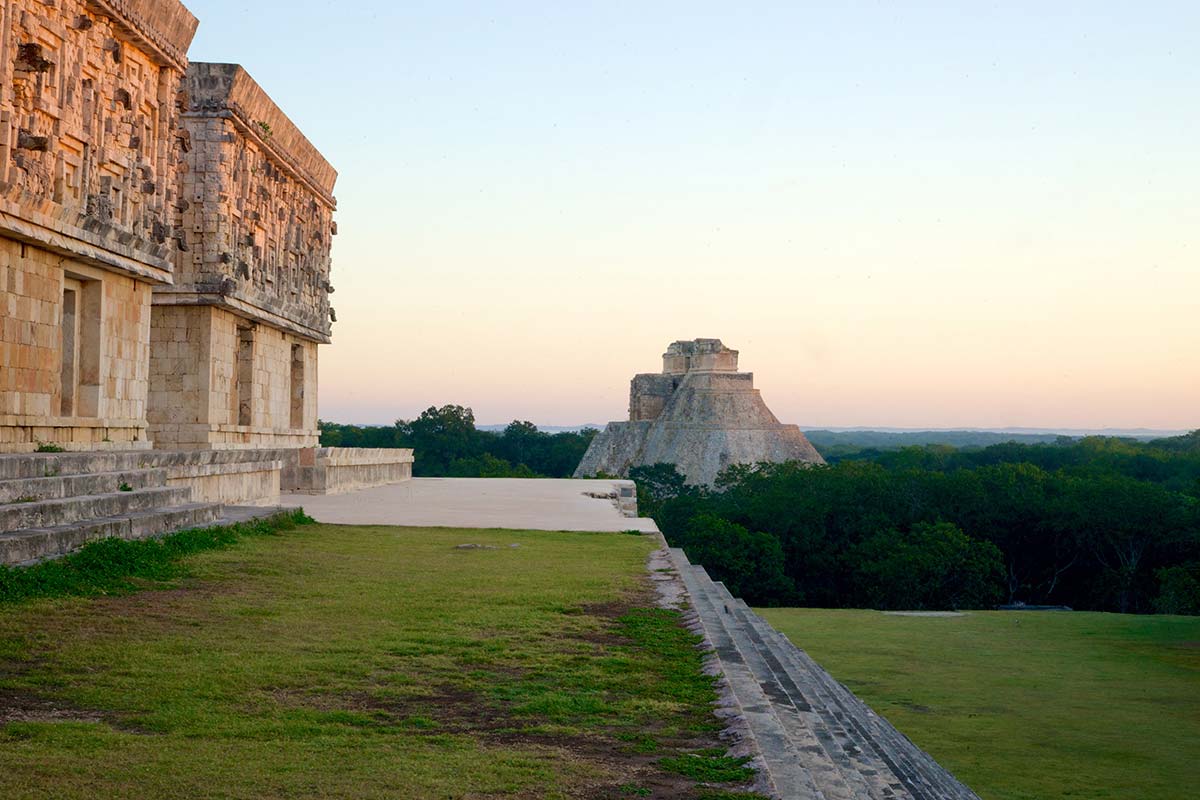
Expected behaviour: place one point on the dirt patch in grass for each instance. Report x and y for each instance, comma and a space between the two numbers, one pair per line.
16, 706
643, 760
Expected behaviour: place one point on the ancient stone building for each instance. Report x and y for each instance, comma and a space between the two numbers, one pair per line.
88, 187
233, 357
699, 414
165, 241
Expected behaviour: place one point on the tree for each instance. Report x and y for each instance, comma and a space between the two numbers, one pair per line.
522, 443
440, 436
1179, 589
749, 564
656, 484
931, 566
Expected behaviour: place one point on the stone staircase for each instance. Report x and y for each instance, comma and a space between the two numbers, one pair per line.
816, 739
53, 503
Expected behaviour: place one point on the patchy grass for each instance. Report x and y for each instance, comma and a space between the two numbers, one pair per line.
359, 662
1027, 705
115, 566
709, 767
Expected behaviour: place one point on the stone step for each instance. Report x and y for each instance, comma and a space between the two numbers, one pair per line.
64, 511
30, 545
785, 767
873, 733
43, 465
922, 777
832, 753
816, 738
233, 515
863, 767
51, 488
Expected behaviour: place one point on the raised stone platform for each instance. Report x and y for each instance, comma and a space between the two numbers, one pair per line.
53, 503
520, 503
812, 738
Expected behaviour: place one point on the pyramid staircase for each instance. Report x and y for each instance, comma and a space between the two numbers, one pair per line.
817, 740
53, 503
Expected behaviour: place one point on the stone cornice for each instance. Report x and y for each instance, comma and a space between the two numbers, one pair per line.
164, 27
173, 296
74, 243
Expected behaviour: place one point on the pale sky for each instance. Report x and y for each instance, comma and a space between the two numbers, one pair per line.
902, 214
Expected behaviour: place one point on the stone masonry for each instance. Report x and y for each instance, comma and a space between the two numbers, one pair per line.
234, 354
165, 234
88, 184
699, 414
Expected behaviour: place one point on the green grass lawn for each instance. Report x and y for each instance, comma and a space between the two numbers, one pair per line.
345, 662
1028, 705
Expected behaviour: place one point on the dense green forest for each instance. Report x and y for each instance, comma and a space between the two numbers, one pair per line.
1098, 523
448, 444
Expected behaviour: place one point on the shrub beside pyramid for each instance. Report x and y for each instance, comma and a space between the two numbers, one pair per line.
699, 414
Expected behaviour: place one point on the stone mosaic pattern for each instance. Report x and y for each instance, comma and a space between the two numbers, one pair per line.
257, 207
87, 120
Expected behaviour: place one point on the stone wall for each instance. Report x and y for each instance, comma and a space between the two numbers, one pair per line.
88, 171
648, 393
332, 470
203, 395
88, 112
106, 389
165, 235
233, 477
241, 325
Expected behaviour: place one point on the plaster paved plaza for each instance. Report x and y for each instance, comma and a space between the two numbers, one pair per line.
532, 504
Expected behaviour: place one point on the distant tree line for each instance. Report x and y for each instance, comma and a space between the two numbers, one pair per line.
1098, 523
447, 444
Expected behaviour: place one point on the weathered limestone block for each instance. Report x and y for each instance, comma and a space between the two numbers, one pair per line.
701, 415
219, 380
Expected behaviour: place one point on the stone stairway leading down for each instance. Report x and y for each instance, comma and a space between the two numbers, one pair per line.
53, 503
817, 740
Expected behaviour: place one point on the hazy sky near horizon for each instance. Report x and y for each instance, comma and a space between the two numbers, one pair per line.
918, 214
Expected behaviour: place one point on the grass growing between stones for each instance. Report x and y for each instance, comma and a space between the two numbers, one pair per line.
1027, 705
361, 662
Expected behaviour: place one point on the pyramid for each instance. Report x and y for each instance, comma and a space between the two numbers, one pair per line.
699, 414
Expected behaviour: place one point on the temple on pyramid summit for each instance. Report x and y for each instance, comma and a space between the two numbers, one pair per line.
699, 414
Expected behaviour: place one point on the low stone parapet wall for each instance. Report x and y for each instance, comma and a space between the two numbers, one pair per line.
332, 470
232, 477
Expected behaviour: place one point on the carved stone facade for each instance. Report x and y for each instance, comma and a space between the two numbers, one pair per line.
88, 183
699, 414
165, 237
241, 325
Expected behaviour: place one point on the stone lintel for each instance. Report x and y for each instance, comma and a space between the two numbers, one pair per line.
165, 28
227, 91
184, 297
